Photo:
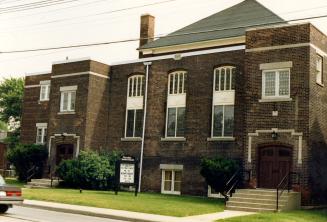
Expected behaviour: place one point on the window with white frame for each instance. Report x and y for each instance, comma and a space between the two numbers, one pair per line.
134, 123
136, 86
175, 122
319, 69
41, 133
223, 121
176, 103
44, 90
276, 83
177, 82
223, 102
171, 181
68, 98
224, 78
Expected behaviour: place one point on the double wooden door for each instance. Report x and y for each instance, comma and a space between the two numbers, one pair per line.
64, 152
274, 163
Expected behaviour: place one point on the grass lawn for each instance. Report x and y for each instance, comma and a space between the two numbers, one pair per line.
291, 216
179, 206
14, 181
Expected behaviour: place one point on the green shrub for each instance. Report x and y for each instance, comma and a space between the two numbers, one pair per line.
26, 156
89, 171
217, 171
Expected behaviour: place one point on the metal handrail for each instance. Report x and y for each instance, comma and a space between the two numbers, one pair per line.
31, 172
237, 175
281, 187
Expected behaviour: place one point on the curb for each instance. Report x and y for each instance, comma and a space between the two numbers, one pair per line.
86, 213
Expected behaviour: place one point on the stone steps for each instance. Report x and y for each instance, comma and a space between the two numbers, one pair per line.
42, 183
258, 200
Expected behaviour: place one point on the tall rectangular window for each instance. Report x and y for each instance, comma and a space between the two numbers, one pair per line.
134, 123
136, 86
175, 122
171, 181
41, 134
44, 90
177, 81
223, 121
67, 101
276, 83
319, 69
224, 78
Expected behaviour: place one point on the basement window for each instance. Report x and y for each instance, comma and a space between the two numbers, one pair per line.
171, 182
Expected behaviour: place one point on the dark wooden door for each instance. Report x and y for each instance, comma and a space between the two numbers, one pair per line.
274, 163
64, 152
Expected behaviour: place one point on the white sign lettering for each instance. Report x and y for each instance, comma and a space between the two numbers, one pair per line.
127, 171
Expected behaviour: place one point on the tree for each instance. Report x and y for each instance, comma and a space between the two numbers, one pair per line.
217, 171
11, 98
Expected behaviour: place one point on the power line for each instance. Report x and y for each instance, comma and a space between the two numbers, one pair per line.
159, 36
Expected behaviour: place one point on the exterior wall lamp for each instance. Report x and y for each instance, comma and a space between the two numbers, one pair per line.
274, 135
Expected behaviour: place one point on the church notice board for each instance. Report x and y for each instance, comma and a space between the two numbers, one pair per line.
126, 173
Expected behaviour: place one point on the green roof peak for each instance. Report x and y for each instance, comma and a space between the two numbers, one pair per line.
228, 23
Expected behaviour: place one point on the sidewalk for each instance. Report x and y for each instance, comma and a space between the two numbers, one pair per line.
128, 215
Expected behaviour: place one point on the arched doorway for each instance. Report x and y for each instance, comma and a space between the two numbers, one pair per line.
274, 163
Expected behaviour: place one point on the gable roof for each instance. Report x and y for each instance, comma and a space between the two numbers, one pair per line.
231, 22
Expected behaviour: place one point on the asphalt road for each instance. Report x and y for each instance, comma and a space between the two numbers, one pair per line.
25, 214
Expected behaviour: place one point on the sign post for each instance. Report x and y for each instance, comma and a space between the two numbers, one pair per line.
126, 173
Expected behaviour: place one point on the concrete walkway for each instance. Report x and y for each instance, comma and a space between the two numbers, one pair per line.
128, 215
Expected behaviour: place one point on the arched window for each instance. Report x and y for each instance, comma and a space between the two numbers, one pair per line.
224, 78
134, 106
136, 86
177, 82
176, 103
223, 102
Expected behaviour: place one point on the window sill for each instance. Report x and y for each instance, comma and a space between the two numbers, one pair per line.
131, 139
173, 139
276, 99
68, 112
44, 100
212, 139
171, 192
320, 84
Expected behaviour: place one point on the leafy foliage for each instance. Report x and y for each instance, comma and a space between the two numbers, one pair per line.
24, 157
217, 171
89, 171
11, 94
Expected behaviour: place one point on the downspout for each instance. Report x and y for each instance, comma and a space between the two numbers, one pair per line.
147, 64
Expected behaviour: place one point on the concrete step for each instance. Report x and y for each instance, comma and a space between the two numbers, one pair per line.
257, 200
249, 209
259, 196
253, 205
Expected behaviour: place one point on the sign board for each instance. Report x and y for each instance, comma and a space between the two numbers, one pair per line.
127, 173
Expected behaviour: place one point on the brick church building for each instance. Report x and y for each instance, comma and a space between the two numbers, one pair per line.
241, 83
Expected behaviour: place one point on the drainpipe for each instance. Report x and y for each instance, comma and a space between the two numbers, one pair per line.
147, 64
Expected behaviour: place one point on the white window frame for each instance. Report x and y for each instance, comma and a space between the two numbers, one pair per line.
319, 69
44, 90
43, 127
172, 75
230, 80
177, 137
223, 123
172, 191
131, 137
70, 90
135, 80
277, 73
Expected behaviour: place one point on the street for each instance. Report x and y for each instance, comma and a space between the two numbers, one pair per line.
25, 214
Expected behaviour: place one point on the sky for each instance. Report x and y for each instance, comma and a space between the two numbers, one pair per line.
89, 21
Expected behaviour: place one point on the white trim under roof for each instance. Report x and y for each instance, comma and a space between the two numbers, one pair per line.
37, 73
71, 60
194, 45
186, 54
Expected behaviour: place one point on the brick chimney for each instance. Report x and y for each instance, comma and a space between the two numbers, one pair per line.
146, 29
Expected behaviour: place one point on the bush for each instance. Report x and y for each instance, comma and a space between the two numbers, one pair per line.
24, 157
217, 171
89, 171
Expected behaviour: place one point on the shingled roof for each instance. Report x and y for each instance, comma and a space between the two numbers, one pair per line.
248, 13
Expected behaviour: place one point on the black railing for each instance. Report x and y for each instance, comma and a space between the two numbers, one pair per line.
286, 183
235, 180
31, 173
53, 176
